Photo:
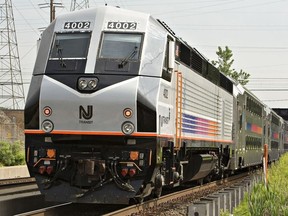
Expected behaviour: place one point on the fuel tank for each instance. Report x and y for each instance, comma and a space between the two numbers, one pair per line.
199, 166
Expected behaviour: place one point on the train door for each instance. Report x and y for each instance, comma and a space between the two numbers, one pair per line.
241, 117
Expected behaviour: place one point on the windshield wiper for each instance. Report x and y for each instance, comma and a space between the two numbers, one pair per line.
59, 52
131, 55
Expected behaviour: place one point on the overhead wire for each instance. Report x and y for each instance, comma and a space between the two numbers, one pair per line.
20, 13
37, 11
215, 11
209, 4
195, 8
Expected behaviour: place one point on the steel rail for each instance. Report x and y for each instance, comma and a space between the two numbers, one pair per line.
152, 204
14, 181
44, 211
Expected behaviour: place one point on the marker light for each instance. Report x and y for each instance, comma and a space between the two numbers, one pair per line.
128, 128
42, 169
51, 153
124, 172
47, 126
132, 172
49, 170
47, 111
127, 113
134, 155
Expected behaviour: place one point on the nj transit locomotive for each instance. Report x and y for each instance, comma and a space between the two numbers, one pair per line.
120, 107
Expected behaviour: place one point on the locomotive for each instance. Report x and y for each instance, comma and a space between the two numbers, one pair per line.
120, 107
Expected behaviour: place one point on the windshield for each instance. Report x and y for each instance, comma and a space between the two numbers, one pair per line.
70, 45
120, 46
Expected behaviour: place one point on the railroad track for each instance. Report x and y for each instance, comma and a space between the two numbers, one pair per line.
45, 211
5, 182
176, 201
73, 209
19, 195
12, 187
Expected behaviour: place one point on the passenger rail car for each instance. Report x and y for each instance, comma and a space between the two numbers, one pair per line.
120, 107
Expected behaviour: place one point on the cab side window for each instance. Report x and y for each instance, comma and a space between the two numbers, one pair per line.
166, 74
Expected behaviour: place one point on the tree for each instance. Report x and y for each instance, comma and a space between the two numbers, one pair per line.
11, 153
224, 64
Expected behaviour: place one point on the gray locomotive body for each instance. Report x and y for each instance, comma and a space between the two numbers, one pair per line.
119, 107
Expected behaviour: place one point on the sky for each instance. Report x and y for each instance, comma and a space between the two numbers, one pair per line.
255, 30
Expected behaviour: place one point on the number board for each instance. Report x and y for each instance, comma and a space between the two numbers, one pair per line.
77, 25
122, 25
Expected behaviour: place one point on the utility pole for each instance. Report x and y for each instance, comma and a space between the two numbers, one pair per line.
52, 11
52, 5
11, 83
78, 5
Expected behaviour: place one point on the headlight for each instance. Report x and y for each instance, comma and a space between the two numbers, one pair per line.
128, 128
47, 126
87, 83
92, 84
82, 84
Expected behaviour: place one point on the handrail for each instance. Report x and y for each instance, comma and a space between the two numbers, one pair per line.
179, 106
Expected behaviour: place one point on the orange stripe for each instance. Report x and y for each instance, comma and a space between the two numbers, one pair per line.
103, 133
86, 133
33, 132
207, 139
170, 136
196, 138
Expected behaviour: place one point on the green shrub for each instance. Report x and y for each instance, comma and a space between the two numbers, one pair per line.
270, 200
11, 153
224, 213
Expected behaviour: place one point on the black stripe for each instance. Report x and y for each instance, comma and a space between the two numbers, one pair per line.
104, 81
146, 118
31, 112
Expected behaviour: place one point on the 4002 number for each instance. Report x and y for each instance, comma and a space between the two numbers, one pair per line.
122, 25
76, 25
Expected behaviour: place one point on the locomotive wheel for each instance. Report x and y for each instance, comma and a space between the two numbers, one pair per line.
139, 200
157, 192
159, 181
207, 179
136, 200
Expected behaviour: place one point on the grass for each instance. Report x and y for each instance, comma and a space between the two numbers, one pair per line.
271, 200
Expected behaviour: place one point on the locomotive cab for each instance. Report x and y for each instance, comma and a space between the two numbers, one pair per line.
68, 53
119, 53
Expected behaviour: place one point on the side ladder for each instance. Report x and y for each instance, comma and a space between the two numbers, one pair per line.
179, 106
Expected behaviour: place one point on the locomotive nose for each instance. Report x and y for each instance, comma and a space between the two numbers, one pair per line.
110, 109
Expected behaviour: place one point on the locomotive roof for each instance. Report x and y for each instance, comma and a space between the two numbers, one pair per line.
102, 15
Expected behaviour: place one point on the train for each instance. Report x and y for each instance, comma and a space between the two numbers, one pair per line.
120, 107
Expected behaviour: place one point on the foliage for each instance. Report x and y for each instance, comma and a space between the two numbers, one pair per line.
224, 213
224, 64
11, 153
271, 200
